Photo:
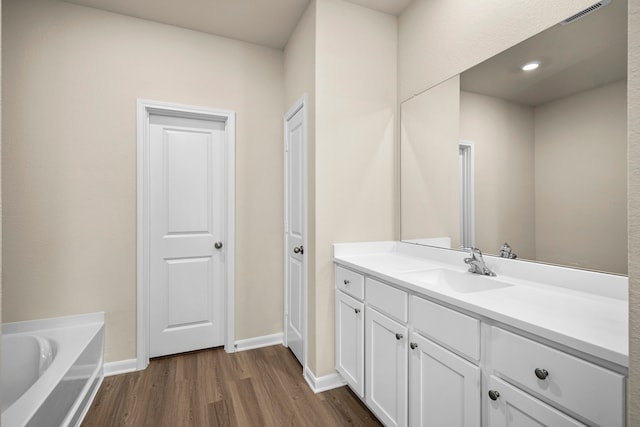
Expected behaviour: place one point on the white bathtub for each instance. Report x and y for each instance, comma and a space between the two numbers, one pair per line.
51, 370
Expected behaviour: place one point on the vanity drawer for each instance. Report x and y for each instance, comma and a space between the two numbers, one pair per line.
350, 282
390, 300
588, 390
451, 328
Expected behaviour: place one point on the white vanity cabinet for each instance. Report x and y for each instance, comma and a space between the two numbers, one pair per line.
427, 385
349, 328
386, 368
350, 341
509, 406
420, 356
594, 394
386, 352
444, 388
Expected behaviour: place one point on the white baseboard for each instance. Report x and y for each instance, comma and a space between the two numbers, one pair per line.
324, 383
120, 367
257, 342
131, 365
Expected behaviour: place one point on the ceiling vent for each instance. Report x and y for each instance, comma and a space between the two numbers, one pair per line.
585, 12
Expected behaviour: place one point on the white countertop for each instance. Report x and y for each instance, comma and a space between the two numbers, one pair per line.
586, 311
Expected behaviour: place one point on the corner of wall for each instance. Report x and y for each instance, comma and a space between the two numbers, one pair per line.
633, 189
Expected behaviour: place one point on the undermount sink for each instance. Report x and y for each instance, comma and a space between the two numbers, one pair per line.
457, 281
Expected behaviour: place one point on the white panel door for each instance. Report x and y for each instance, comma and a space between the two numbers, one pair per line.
187, 182
444, 389
349, 318
294, 230
386, 368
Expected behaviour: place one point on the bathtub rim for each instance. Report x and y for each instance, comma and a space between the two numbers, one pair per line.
26, 326
86, 327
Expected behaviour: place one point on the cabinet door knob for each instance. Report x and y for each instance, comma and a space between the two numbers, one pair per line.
399, 336
298, 250
494, 395
217, 245
357, 310
542, 374
413, 345
346, 282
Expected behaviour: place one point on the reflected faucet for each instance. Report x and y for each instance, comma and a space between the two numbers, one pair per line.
476, 263
505, 252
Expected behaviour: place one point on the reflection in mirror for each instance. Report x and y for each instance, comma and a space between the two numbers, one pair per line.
546, 171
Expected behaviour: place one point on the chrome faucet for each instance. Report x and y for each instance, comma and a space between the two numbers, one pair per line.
476, 263
505, 252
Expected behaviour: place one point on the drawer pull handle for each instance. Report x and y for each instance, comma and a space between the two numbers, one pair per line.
399, 336
413, 345
346, 282
542, 374
494, 395
357, 310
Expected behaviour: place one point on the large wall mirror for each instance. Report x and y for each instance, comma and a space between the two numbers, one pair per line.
533, 158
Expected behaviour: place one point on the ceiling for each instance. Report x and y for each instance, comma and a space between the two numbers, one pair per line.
392, 7
587, 53
264, 22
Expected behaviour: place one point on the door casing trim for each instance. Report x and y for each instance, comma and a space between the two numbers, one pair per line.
145, 108
300, 104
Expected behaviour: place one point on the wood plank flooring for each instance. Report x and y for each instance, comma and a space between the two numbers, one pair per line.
262, 387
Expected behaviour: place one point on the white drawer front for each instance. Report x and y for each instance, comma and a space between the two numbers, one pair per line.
590, 391
453, 329
350, 282
390, 300
515, 408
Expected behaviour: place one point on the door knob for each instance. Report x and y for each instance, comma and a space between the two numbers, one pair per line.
494, 394
399, 336
217, 245
298, 250
413, 345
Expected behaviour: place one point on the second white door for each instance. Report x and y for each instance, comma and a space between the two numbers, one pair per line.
294, 231
187, 182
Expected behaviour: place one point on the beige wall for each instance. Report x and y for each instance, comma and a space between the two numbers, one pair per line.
580, 188
438, 39
503, 137
633, 162
71, 77
354, 147
96, 64
429, 177
351, 119
300, 78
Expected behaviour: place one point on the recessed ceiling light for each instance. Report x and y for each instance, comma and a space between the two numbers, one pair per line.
530, 66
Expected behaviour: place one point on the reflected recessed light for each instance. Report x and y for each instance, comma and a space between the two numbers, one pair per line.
530, 66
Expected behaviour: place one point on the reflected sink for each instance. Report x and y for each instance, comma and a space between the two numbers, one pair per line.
457, 281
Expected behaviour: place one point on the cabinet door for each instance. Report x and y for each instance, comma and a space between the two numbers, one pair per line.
444, 389
386, 368
513, 407
350, 341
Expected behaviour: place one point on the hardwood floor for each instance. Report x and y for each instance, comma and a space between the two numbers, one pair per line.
262, 387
